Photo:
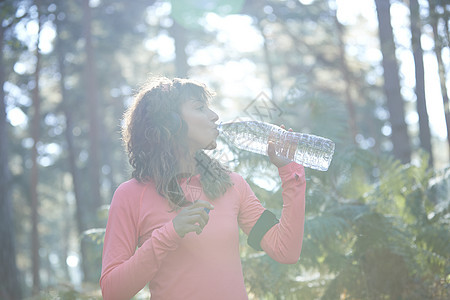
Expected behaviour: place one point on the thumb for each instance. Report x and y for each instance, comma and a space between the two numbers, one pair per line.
271, 148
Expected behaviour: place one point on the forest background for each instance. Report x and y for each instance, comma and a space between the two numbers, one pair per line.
372, 76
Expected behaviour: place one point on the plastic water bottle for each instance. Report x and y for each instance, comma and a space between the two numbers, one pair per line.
309, 150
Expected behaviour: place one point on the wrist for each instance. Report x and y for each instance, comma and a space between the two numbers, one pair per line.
176, 229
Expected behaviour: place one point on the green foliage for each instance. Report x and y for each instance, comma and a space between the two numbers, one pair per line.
68, 292
388, 243
375, 229
95, 235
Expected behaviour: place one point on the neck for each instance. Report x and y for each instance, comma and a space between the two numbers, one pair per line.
189, 165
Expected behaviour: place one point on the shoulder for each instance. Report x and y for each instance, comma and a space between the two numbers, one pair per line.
131, 185
236, 177
238, 181
129, 192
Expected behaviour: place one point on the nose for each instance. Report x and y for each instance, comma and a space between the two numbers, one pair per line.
214, 116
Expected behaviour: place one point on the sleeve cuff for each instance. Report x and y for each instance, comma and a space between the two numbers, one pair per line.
171, 233
290, 170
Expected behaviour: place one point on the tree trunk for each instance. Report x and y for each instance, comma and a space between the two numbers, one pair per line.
268, 61
179, 33
35, 134
424, 126
434, 20
91, 205
347, 77
445, 16
399, 136
82, 211
92, 106
9, 275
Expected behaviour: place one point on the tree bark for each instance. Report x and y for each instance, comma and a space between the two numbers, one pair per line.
35, 134
434, 20
445, 16
268, 61
92, 106
9, 274
347, 77
91, 205
424, 126
399, 136
81, 213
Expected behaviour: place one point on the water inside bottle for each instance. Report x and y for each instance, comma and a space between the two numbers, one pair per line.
309, 150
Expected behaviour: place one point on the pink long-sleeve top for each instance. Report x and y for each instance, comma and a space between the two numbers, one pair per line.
141, 245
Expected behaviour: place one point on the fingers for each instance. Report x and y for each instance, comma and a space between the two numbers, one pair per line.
192, 218
196, 215
285, 152
198, 220
271, 149
271, 140
273, 146
282, 126
193, 228
190, 228
192, 211
202, 204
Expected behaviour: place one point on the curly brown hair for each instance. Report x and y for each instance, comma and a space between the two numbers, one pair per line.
155, 139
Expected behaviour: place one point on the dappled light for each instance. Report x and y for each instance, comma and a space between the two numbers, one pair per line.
372, 76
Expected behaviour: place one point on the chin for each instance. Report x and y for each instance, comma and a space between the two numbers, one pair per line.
211, 146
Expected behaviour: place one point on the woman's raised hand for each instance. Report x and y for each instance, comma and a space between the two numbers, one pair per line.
279, 161
192, 218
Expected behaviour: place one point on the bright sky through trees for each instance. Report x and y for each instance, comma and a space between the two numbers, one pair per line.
238, 33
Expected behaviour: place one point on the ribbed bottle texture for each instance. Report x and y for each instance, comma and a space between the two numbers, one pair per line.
309, 150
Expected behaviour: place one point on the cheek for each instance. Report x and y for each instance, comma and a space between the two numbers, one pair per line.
193, 127
197, 122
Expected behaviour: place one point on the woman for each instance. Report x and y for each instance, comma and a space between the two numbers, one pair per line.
175, 224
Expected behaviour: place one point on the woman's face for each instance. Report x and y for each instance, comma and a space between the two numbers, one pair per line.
202, 127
